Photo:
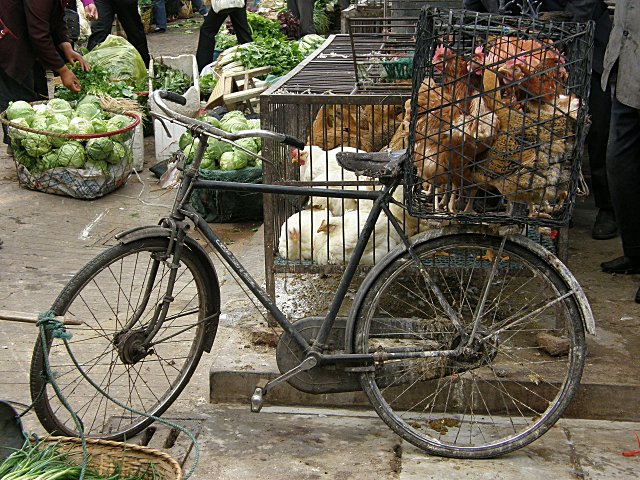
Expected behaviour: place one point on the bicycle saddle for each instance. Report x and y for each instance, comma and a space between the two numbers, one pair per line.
376, 164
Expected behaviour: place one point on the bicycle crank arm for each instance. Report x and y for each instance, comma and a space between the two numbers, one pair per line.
257, 399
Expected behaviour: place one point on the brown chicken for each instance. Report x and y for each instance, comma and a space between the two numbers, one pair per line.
528, 160
529, 69
453, 126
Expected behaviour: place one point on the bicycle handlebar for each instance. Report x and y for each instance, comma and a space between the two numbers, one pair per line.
160, 95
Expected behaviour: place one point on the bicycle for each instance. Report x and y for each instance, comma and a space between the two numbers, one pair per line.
446, 358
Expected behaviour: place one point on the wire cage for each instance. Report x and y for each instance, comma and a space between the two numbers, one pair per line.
497, 118
384, 40
81, 151
319, 102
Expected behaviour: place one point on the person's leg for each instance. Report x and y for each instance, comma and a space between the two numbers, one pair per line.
292, 6
623, 171
127, 12
159, 15
101, 28
306, 17
200, 7
597, 139
11, 91
207, 38
240, 24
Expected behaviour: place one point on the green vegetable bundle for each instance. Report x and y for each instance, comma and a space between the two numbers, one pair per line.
221, 155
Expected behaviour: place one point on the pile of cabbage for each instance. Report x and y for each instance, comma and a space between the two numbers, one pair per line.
221, 155
39, 152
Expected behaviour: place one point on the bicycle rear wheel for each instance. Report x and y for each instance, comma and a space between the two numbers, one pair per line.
505, 390
104, 295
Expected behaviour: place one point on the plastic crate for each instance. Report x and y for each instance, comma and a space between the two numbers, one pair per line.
167, 143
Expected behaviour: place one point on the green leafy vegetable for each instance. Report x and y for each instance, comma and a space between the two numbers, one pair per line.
71, 154
100, 148
170, 79
58, 105
19, 109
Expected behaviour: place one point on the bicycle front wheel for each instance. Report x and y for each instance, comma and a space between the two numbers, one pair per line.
523, 358
107, 295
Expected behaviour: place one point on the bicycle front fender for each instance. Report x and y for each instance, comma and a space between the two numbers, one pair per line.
212, 284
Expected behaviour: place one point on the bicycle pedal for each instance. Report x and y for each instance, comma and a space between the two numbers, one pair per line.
257, 400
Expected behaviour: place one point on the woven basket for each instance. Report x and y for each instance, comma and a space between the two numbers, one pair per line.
130, 459
80, 183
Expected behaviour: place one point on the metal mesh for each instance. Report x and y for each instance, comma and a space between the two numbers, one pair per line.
497, 118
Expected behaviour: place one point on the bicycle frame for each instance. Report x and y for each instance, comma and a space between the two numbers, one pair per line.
381, 199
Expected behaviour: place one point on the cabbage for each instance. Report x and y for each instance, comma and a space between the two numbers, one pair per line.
36, 145
48, 161
97, 165
243, 156
19, 109
88, 99
58, 105
15, 133
88, 110
80, 125
40, 108
190, 150
58, 128
119, 154
23, 158
117, 56
58, 119
185, 139
100, 148
99, 125
234, 122
229, 161
118, 122
213, 121
71, 154
40, 122
215, 148
254, 123
208, 161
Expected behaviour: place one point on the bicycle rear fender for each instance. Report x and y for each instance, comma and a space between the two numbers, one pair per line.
525, 242
155, 231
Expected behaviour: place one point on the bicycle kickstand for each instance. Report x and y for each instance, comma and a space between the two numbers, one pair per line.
257, 399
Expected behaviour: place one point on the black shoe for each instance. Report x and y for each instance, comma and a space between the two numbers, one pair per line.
638, 296
159, 30
605, 226
623, 265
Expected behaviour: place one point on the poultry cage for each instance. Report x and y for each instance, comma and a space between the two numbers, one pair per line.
319, 103
497, 118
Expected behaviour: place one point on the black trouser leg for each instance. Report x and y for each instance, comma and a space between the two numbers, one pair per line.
101, 28
623, 170
127, 12
240, 24
11, 91
306, 17
597, 139
207, 39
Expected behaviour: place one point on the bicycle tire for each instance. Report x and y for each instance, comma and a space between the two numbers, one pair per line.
104, 294
507, 394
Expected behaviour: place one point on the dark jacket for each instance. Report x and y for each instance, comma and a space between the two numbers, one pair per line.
581, 11
30, 30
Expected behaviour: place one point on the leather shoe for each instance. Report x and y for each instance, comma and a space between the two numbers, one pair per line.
605, 226
638, 296
159, 30
623, 265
